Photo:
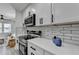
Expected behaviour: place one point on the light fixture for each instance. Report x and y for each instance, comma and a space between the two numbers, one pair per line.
1, 17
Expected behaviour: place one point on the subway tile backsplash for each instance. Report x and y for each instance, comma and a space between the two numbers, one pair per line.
68, 33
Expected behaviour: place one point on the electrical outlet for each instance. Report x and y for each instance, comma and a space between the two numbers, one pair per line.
48, 33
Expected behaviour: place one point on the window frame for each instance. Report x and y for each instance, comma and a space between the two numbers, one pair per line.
3, 29
9, 28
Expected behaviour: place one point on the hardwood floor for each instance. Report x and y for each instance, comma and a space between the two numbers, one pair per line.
8, 51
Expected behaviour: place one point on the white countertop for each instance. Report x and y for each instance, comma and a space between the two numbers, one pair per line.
49, 46
21, 35
27, 34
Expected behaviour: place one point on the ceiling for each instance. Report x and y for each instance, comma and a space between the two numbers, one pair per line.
19, 6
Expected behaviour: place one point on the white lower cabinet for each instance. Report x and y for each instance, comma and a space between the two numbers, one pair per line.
35, 50
47, 53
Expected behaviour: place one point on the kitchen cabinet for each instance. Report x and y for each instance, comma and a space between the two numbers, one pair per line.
49, 48
7, 10
42, 11
43, 14
34, 50
47, 53
66, 12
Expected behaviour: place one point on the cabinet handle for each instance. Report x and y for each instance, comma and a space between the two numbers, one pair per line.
32, 53
33, 48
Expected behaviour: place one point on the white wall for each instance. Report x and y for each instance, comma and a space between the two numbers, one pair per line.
18, 25
18, 19
29, 7
7, 10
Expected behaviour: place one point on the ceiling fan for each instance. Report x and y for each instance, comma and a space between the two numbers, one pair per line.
2, 18
5, 19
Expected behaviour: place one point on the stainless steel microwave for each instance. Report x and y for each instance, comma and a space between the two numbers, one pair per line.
30, 20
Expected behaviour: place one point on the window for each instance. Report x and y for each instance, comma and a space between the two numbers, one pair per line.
0, 27
7, 28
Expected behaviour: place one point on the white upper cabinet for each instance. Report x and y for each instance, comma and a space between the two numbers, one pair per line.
43, 14
66, 12
7, 10
42, 11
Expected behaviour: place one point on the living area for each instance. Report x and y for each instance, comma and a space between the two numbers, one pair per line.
7, 38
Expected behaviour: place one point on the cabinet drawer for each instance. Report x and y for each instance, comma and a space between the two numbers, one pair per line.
30, 51
48, 53
35, 49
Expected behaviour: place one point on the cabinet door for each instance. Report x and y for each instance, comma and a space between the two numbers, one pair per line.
48, 53
66, 12
43, 12
29, 49
34, 50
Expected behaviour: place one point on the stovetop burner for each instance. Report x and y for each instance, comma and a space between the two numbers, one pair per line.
23, 44
26, 37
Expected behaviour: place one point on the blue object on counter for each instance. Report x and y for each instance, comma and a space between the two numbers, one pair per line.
57, 41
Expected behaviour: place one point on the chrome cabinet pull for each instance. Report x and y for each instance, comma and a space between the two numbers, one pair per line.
32, 53
33, 48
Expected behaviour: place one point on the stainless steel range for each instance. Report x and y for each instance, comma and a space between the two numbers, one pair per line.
23, 41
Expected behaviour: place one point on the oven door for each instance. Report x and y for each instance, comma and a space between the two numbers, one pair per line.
22, 49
